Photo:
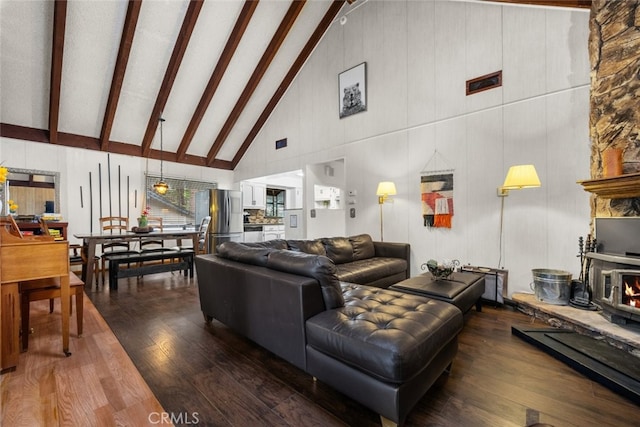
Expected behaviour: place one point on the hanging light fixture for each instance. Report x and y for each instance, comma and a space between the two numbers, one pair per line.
161, 187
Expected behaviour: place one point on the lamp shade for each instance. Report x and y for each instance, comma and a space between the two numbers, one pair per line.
521, 176
386, 188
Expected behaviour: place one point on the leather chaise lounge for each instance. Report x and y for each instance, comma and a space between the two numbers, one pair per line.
382, 348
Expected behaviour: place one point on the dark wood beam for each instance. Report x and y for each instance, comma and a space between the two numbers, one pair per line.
270, 53
306, 51
126, 41
225, 58
57, 51
90, 143
190, 19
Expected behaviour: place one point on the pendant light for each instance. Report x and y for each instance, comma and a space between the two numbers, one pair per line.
161, 187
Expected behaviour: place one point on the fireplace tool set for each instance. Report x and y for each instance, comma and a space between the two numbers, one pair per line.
580, 292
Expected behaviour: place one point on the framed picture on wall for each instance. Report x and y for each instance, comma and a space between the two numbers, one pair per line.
352, 93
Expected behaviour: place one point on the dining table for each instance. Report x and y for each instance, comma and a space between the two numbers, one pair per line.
91, 240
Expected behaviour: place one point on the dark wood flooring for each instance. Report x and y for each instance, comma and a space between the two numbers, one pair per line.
217, 378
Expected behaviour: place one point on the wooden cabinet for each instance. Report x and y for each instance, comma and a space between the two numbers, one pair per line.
9, 325
22, 260
54, 226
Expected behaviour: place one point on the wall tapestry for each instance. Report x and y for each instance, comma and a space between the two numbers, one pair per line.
436, 192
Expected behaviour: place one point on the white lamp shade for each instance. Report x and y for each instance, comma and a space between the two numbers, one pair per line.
521, 176
386, 188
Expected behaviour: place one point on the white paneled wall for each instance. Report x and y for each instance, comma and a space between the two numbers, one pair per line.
419, 55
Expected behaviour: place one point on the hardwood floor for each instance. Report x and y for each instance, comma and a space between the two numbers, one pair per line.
97, 385
211, 376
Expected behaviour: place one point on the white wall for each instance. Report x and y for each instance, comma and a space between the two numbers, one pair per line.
419, 55
74, 165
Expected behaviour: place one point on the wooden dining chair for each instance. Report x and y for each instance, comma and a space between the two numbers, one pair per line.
114, 224
76, 256
203, 236
36, 290
151, 244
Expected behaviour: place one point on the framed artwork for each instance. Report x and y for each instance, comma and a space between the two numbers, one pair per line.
352, 91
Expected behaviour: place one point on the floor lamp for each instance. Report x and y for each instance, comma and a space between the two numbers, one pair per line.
518, 177
385, 189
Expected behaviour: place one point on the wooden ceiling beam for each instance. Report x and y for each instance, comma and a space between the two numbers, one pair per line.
225, 58
306, 51
270, 53
126, 41
190, 19
57, 53
90, 143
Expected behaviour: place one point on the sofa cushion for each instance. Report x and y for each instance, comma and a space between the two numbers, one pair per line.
273, 244
371, 269
362, 247
307, 246
242, 253
387, 334
317, 267
339, 249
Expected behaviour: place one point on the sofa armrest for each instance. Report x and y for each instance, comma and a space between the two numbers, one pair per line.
394, 250
267, 306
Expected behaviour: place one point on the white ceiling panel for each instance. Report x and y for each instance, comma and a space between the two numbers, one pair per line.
89, 59
158, 28
215, 22
287, 54
250, 51
25, 52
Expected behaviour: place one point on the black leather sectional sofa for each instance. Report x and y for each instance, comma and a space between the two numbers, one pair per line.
323, 306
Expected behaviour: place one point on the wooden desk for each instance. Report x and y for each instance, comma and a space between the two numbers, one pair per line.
23, 260
53, 225
91, 240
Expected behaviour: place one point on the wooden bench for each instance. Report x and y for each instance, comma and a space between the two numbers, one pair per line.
181, 259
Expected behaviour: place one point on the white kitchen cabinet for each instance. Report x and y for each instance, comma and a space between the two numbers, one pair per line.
321, 193
254, 195
271, 232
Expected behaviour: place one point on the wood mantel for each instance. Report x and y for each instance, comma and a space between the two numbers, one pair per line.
620, 187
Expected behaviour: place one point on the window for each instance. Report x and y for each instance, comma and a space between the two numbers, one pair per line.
275, 202
178, 206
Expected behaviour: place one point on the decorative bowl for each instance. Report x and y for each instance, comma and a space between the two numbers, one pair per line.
441, 270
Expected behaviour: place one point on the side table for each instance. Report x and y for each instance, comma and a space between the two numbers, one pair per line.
461, 289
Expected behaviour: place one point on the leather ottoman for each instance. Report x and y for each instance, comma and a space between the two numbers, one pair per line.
384, 348
462, 289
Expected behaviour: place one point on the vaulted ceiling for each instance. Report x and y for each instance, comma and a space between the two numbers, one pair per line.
99, 74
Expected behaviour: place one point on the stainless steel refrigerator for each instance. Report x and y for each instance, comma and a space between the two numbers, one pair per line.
225, 209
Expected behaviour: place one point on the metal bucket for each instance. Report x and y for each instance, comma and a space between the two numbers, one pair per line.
551, 286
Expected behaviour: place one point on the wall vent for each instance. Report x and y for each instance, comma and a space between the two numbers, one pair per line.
486, 82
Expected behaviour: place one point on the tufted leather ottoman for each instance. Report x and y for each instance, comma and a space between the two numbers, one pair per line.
463, 289
402, 341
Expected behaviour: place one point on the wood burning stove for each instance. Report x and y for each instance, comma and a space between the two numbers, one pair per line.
620, 294
614, 273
